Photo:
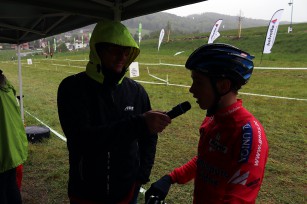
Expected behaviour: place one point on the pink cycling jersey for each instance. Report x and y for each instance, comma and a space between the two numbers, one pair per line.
232, 153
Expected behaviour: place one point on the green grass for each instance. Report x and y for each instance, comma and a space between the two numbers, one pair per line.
285, 121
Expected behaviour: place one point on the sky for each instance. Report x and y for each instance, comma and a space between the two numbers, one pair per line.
256, 9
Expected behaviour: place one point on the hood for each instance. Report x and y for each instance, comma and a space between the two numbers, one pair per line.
6, 86
109, 32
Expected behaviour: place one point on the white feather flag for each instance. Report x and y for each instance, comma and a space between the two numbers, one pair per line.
215, 31
272, 31
161, 38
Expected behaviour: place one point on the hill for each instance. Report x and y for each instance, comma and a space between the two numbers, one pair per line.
196, 23
192, 23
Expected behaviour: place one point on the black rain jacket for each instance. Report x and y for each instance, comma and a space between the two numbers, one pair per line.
110, 147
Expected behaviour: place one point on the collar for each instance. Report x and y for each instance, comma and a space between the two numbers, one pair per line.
228, 111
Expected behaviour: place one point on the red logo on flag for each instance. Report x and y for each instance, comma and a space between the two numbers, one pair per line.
274, 21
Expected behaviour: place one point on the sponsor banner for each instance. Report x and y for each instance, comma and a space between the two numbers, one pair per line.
134, 69
215, 31
29, 61
272, 31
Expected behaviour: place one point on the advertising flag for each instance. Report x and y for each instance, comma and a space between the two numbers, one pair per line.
215, 31
161, 38
140, 33
49, 46
54, 44
272, 31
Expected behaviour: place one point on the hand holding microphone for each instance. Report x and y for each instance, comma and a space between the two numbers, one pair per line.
157, 120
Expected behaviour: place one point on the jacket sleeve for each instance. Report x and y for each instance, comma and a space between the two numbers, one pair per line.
185, 173
147, 146
75, 121
248, 172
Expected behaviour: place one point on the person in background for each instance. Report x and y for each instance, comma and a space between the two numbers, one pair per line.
107, 118
233, 149
13, 144
19, 171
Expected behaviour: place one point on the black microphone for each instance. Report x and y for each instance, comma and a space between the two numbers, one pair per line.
179, 109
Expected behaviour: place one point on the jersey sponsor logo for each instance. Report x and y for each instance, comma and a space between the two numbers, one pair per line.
209, 173
207, 168
231, 111
239, 178
216, 145
259, 147
129, 108
246, 146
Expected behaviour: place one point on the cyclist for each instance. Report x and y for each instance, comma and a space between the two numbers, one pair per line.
232, 149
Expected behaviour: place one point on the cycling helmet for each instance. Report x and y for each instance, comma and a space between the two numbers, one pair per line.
222, 60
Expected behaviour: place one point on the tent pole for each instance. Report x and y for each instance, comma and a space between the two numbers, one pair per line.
20, 84
117, 10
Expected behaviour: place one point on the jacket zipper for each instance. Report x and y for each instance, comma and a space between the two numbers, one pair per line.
112, 95
109, 155
81, 168
108, 173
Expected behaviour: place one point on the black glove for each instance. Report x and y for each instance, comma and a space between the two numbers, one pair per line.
159, 189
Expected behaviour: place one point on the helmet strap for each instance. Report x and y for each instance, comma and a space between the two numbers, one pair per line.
217, 97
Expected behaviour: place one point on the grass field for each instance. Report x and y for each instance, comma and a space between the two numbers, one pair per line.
285, 120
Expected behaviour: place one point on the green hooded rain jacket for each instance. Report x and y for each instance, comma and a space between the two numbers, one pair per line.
13, 139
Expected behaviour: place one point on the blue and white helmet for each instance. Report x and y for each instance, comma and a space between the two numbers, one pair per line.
222, 60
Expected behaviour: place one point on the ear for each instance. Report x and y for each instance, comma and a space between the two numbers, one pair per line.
223, 86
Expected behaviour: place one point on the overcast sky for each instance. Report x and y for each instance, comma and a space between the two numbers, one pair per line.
257, 9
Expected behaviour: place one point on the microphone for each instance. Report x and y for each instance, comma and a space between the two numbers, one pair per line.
179, 109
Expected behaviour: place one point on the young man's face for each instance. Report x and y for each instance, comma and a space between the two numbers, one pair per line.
202, 90
114, 57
